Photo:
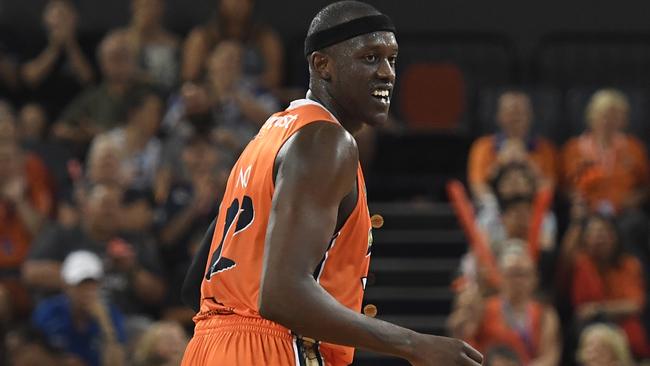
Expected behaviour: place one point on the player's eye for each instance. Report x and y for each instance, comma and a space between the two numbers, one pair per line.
392, 60
371, 58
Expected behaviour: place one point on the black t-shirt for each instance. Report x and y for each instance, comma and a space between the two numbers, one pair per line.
181, 195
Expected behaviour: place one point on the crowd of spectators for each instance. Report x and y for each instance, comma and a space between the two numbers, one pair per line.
113, 157
579, 295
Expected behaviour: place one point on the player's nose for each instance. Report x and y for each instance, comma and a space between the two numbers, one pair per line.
385, 71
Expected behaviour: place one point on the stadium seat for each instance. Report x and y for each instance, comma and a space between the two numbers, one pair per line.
461, 62
432, 96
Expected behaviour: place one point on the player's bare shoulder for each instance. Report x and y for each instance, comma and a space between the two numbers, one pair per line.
326, 145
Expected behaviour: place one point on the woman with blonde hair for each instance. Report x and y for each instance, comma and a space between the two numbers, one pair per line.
604, 166
604, 345
162, 344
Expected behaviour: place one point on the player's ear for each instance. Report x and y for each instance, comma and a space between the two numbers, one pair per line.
321, 64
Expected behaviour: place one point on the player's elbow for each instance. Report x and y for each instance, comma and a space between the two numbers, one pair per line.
270, 307
274, 302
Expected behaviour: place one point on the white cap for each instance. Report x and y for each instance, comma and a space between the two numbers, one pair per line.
81, 265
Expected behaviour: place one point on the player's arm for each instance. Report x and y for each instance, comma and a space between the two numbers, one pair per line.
317, 170
191, 290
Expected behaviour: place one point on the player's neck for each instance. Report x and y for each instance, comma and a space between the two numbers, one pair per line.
327, 101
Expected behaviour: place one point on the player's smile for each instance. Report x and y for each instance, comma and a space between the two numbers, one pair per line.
382, 95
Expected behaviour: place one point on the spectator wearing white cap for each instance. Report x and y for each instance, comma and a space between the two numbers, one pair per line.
79, 321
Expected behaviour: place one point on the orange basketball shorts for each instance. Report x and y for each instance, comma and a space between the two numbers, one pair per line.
233, 340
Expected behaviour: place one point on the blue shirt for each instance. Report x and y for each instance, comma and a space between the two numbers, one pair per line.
53, 317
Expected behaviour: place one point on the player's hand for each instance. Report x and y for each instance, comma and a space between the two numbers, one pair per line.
432, 350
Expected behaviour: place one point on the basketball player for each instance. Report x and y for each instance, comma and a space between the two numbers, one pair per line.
283, 279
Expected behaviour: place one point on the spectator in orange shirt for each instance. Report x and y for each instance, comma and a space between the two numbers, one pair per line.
606, 282
608, 169
605, 166
513, 317
513, 143
25, 201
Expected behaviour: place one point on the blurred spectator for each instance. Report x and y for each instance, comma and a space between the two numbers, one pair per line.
107, 165
513, 143
140, 150
60, 69
32, 127
605, 166
188, 208
502, 356
33, 123
101, 108
604, 345
507, 213
263, 53
607, 283
229, 107
163, 344
25, 202
156, 49
133, 275
512, 317
8, 72
609, 170
80, 322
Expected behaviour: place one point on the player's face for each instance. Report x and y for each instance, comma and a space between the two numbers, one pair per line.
364, 76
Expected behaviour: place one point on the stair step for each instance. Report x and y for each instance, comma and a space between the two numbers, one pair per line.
428, 236
393, 265
414, 216
433, 293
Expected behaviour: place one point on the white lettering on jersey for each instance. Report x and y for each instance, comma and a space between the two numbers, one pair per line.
280, 121
244, 176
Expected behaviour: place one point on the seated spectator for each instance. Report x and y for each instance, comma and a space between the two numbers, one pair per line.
605, 166
100, 108
32, 126
32, 123
79, 321
263, 49
513, 143
228, 107
26, 200
60, 69
8, 72
607, 283
189, 207
513, 317
604, 345
163, 344
133, 276
502, 356
106, 165
138, 146
156, 49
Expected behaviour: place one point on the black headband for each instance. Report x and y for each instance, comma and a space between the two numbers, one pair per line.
347, 30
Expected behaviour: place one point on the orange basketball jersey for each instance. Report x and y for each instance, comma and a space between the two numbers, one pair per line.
233, 272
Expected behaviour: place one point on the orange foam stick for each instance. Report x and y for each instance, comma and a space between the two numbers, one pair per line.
478, 243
